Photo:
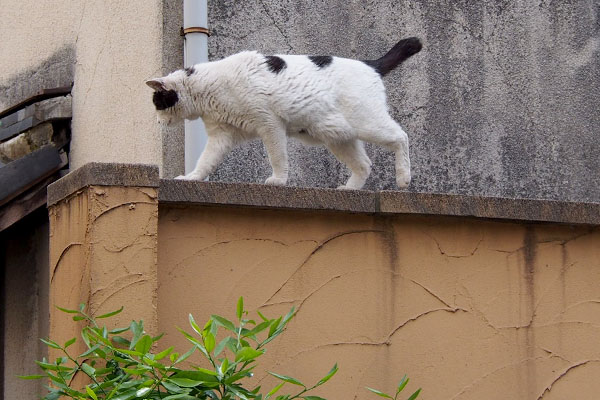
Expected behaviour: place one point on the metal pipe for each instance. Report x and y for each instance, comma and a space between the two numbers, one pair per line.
195, 51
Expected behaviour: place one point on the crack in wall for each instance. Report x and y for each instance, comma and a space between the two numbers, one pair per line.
317, 249
563, 374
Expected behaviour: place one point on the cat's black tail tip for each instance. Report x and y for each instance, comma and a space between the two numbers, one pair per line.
412, 46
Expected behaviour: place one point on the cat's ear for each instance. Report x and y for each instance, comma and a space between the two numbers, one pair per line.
157, 84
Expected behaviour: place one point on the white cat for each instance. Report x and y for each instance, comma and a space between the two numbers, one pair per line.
320, 100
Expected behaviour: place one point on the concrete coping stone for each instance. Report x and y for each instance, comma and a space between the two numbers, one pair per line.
178, 192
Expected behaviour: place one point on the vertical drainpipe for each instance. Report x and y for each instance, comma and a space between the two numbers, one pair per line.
195, 51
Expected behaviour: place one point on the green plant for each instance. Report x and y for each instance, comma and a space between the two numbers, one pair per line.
125, 368
400, 387
120, 368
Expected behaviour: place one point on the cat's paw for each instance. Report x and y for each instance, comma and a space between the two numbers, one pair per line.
403, 180
346, 187
188, 177
276, 181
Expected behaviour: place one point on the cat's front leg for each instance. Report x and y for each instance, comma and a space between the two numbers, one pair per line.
218, 145
275, 142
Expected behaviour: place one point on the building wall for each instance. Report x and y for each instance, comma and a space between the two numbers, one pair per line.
24, 314
107, 49
469, 309
502, 100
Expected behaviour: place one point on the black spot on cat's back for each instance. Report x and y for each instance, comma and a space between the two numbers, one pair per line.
275, 64
189, 71
164, 99
321, 61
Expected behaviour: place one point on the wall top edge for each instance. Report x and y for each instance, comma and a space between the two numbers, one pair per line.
190, 193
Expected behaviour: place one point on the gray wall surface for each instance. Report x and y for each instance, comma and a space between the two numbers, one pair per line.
502, 101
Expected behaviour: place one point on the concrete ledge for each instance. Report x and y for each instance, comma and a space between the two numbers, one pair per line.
384, 202
259, 195
103, 174
294, 198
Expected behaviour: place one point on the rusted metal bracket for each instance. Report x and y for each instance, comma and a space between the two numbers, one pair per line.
194, 29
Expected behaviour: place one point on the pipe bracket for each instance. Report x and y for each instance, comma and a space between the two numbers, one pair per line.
194, 29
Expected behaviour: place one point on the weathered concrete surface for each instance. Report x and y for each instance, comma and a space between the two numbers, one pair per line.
469, 309
502, 101
107, 49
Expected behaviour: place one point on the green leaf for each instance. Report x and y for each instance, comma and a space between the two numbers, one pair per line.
222, 345
247, 354
209, 342
78, 318
194, 325
312, 398
288, 379
171, 387
185, 382
415, 395
118, 330
69, 342
224, 322
274, 326
327, 377
91, 393
402, 384
257, 329
163, 353
88, 369
274, 390
31, 376
110, 314
239, 375
377, 392
81, 307
185, 356
142, 392
240, 308
262, 316
67, 310
51, 343
144, 344
90, 351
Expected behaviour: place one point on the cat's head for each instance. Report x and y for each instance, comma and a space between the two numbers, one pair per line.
172, 97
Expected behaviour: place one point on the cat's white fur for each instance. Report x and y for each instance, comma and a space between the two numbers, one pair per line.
239, 98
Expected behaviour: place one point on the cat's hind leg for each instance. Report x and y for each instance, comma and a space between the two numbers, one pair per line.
353, 154
274, 139
391, 136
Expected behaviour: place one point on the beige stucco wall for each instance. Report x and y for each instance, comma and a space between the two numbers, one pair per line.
117, 45
469, 309
103, 253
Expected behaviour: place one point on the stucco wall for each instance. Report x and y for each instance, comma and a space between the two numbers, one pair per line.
502, 101
469, 309
103, 253
107, 49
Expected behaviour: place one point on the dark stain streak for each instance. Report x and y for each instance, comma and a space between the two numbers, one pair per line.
275, 64
321, 61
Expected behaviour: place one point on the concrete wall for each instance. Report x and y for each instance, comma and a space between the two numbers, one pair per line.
24, 314
107, 49
469, 309
502, 101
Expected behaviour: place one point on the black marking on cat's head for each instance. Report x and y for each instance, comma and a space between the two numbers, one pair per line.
190, 71
321, 61
275, 64
164, 99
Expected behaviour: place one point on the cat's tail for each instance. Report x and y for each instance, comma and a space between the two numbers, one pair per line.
400, 52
